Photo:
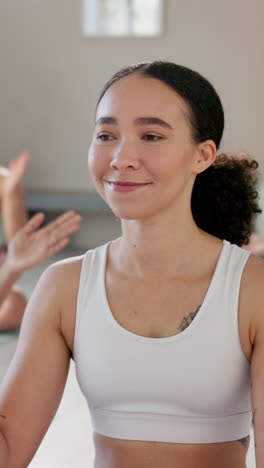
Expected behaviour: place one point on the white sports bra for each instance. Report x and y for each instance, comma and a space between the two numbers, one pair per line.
193, 387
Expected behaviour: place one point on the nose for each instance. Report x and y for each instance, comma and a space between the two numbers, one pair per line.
125, 157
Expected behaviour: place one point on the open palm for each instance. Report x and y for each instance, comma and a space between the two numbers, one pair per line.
32, 246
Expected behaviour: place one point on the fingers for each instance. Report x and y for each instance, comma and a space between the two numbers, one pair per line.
64, 222
62, 227
20, 163
17, 168
57, 232
17, 165
58, 246
40, 244
33, 223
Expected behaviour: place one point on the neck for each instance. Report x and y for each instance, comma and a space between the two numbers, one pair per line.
155, 248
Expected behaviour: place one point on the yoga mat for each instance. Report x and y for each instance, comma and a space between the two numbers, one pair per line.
8, 335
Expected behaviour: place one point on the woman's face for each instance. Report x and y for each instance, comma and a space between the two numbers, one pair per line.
142, 158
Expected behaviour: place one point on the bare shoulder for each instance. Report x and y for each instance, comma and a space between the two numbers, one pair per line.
252, 295
63, 277
253, 276
54, 298
65, 270
60, 280
254, 264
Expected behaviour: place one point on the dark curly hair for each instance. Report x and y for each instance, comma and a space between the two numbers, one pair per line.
227, 190
224, 197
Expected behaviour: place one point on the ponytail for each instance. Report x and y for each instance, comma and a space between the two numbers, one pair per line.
225, 198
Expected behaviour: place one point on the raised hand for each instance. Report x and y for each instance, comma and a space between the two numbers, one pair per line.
14, 174
32, 246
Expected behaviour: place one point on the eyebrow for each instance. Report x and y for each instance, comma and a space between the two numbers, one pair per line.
138, 121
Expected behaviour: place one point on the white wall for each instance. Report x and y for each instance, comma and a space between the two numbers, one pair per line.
51, 76
260, 107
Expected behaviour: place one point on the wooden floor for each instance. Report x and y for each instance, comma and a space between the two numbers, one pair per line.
68, 442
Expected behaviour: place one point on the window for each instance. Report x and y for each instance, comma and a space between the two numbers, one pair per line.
122, 17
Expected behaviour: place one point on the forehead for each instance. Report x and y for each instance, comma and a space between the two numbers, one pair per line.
136, 95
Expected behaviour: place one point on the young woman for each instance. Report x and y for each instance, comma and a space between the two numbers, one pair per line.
166, 323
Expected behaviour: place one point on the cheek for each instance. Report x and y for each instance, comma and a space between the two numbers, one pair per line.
96, 163
169, 160
174, 166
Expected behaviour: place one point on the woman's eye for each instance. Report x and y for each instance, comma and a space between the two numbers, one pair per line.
104, 137
151, 137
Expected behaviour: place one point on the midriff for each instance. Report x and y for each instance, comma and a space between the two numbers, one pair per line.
117, 453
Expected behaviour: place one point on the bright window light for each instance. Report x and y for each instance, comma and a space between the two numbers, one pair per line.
122, 17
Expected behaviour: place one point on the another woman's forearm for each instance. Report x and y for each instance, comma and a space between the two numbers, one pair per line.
14, 213
8, 277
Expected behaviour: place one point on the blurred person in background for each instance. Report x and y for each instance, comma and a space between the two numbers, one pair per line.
256, 244
24, 245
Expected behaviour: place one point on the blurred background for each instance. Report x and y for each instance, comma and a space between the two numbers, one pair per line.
52, 74
55, 58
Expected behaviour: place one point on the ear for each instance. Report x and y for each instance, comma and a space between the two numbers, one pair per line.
205, 156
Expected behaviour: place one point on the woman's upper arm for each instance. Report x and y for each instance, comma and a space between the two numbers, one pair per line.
257, 363
258, 396
34, 383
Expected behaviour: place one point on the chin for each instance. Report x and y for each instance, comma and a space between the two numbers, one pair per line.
130, 214
130, 209
123, 214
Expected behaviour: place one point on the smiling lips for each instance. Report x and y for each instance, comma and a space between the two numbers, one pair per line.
126, 186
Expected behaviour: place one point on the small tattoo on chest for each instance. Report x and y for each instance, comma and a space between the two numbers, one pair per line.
188, 319
2, 416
